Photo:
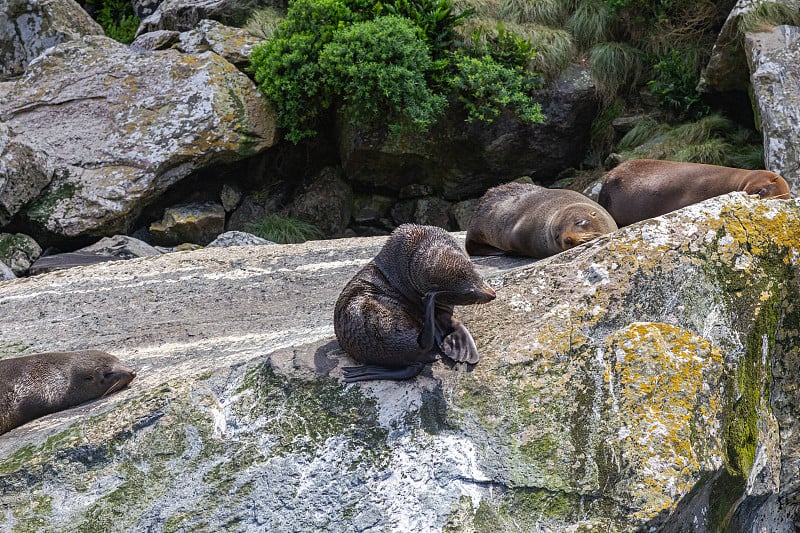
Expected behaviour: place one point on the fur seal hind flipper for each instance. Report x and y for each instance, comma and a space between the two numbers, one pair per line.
460, 346
427, 337
370, 372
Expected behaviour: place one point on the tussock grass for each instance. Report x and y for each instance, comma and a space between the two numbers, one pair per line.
750, 156
544, 12
601, 137
554, 47
590, 24
712, 151
284, 230
264, 22
484, 9
615, 66
766, 16
700, 131
643, 131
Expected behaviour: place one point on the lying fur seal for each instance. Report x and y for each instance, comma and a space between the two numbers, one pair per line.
533, 221
645, 188
36, 385
396, 314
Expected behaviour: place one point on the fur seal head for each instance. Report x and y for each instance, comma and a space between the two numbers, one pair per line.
766, 185
40, 384
579, 223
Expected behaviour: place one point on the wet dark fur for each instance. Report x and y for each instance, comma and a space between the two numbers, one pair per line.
397, 311
645, 188
36, 385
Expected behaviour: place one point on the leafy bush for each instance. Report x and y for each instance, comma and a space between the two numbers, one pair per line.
435, 21
675, 86
116, 18
485, 87
284, 230
377, 68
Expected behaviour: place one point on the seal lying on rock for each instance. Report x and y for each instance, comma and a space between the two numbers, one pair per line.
529, 220
396, 314
645, 188
36, 385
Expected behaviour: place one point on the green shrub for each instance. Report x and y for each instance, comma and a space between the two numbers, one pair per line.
435, 20
486, 87
505, 47
377, 68
284, 230
116, 18
675, 86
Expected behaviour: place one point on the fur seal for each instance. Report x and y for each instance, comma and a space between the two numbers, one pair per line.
396, 314
533, 221
645, 188
36, 385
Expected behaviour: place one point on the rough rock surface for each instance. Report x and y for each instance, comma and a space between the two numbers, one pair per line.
461, 160
183, 15
774, 61
72, 129
28, 27
18, 251
198, 223
6, 273
327, 202
647, 375
234, 44
237, 238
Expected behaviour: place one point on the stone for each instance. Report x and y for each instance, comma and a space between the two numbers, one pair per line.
773, 58
327, 202
371, 208
144, 8
29, 27
460, 160
230, 196
237, 238
62, 261
196, 223
155, 40
428, 210
184, 15
462, 213
249, 212
19, 251
122, 247
102, 131
234, 44
6, 273
638, 382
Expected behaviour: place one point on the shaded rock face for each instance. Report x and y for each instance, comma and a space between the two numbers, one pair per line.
461, 160
183, 15
647, 376
327, 202
28, 27
86, 161
774, 61
198, 223
18, 251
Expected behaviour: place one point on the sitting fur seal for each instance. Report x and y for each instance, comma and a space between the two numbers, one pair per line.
36, 385
645, 188
533, 221
396, 314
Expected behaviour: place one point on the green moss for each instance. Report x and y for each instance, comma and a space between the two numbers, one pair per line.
42, 208
487, 518
725, 492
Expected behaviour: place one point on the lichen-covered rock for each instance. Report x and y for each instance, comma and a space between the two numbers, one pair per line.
198, 223
156, 40
18, 251
641, 381
774, 61
28, 27
6, 273
183, 15
234, 44
327, 202
122, 246
106, 130
460, 160
237, 238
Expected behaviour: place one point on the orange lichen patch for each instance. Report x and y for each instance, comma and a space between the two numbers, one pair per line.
668, 408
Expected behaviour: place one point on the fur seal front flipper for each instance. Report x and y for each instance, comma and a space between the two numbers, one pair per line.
396, 314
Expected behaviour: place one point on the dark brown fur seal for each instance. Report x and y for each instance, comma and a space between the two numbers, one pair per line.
396, 314
533, 221
645, 188
36, 385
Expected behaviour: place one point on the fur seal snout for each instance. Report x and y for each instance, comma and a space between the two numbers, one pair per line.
534, 221
645, 188
396, 314
36, 385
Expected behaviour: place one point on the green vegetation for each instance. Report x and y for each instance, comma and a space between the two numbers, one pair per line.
766, 15
285, 230
396, 64
116, 17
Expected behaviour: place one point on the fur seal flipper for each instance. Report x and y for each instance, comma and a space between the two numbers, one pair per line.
533, 221
36, 385
396, 314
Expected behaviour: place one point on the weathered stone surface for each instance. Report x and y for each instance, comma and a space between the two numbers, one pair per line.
63, 261
327, 202
462, 212
198, 223
461, 160
230, 196
122, 246
156, 40
28, 27
727, 67
19, 251
183, 15
428, 210
650, 372
144, 8
6, 273
237, 238
234, 44
774, 61
111, 129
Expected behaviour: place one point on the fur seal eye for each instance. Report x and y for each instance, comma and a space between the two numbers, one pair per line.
568, 240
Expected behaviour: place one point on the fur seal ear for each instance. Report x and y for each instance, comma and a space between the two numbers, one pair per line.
582, 222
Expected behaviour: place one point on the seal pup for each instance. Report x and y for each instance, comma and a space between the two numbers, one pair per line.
533, 221
36, 385
396, 314
645, 188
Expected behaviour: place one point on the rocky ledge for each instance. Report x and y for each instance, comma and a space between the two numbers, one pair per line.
647, 379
